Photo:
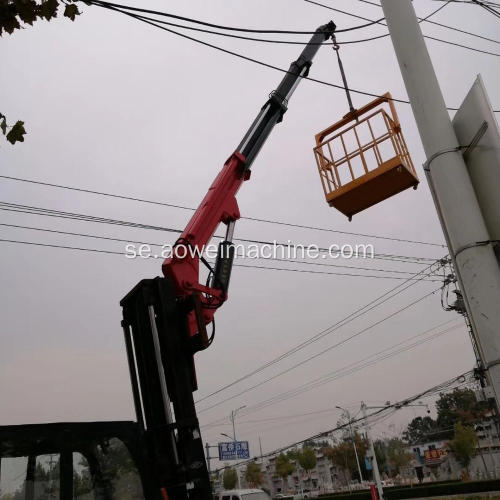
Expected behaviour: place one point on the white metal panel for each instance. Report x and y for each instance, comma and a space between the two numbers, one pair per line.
483, 162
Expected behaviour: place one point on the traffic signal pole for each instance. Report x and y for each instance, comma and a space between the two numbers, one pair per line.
470, 245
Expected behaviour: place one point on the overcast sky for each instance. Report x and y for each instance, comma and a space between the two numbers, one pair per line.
114, 105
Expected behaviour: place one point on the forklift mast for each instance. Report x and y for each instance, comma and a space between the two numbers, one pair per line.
165, 319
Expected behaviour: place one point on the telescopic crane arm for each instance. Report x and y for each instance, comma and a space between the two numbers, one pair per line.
220, 206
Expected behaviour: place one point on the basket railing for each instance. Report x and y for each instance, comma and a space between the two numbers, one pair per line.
329, 165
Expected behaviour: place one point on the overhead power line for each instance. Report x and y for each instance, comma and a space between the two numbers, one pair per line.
308, 271
123, 240
456, 44
49, 245
353, 367
379, 21
258, 62
427, 20
488, 8
268, 268
373, 304
241, 56
286, 417
471, 2
371, 417
229, 35
101, 3
339, 374
123, 9
413, 279
32, 210
341, 370
320, 353
256, 219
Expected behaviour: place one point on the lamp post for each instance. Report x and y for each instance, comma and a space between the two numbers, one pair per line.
232, 417
349, 420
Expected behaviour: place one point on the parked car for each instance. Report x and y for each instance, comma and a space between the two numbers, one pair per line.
250, 494
306, 494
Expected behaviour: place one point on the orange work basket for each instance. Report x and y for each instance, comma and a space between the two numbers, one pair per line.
363, 158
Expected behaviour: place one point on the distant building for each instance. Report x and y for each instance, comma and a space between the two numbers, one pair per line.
438, 461
325, 477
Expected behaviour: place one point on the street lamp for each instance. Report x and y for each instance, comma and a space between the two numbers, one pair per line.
225, 435
349, 420
232, 416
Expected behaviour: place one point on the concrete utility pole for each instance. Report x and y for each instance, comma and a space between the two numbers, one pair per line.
371, 454
470, 245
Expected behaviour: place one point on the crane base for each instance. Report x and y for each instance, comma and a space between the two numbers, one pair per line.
163, 379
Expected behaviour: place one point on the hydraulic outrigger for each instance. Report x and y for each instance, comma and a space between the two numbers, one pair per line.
165, 319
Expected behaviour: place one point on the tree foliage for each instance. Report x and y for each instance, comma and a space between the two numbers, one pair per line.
253, 475
307, 458
342, 454
283, 466
229, 478
16, 132
419, 430
315, 443
397, 454
15, 15
459, 405
463, 444
46, 483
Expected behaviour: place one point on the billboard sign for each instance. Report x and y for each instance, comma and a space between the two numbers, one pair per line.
234, 450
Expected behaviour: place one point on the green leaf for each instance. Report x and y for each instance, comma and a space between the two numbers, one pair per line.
71, 11
49, 9
16, 133
3, 125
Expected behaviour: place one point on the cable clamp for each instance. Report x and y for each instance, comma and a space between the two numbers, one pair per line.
467, 149
427, 164
491, 364
476, 244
